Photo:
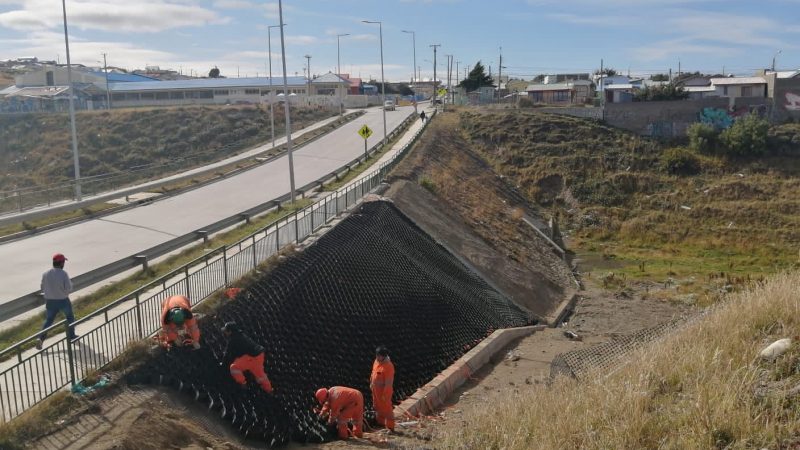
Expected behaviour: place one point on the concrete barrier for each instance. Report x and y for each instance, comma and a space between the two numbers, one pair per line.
432, 395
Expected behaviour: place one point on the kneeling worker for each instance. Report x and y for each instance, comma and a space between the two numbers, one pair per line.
344, 404
246, 356
176, 312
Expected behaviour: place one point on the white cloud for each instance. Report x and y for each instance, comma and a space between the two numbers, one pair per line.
590, 19
727, 28
110, 15
301, 40
677, 47
234, 4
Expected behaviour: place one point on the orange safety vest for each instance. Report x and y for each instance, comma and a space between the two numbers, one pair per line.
382, 375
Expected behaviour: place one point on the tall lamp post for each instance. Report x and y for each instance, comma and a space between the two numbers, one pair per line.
286, 105
71, 91
308, 67
339, 70
383, 81
414, 67
435, 46
271, 92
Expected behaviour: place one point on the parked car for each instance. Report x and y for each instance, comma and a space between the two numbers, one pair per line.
388, 105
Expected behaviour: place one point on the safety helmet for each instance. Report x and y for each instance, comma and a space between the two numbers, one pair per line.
322, 395
59, 258
382, 351
177, 316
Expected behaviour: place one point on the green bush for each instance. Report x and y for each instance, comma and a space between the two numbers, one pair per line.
784, 139
703, 138
746, 137
680, 161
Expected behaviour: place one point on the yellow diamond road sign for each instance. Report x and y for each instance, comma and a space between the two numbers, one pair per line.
365, 132
442, 92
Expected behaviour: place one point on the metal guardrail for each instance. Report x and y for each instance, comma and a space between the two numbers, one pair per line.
34, 377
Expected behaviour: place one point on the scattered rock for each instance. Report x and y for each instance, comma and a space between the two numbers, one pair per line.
776, 349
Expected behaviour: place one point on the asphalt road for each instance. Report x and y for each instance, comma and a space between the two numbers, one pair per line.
95, 243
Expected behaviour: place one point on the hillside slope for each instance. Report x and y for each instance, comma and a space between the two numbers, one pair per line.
35, 149
735, 221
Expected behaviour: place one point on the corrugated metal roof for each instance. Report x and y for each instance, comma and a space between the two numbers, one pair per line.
329, 77
115, 77
39, 91
788, 73
9, 90
699, 88
737, 80
615, 87
549, 87
206, 83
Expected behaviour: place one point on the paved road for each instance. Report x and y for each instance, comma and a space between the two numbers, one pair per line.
97, 242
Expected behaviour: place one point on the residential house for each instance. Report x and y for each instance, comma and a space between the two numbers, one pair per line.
576, 92
564, 77
735, 87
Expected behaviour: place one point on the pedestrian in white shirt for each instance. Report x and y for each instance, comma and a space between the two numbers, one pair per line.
56, 287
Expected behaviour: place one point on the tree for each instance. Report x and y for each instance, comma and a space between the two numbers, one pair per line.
661, 93
477, 78
213, 73
539, 78
746, 137
608, 71
659, 77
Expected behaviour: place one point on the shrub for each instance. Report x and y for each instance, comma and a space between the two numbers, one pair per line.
525, 103
703, 138
680, 161
746, 137
784, 139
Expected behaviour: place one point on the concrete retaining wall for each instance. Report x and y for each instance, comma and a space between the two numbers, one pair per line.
432, 395
584, 113
787, 99
660, 119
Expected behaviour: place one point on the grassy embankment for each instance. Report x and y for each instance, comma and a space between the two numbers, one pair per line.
35, 149
701, 387
735, 221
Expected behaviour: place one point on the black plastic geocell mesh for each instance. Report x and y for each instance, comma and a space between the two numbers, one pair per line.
374, 279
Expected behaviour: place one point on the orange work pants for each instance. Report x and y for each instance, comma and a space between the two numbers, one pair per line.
254, 365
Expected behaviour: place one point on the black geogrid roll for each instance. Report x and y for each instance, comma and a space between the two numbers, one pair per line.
373, 279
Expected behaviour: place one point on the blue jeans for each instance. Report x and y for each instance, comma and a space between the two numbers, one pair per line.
53, 307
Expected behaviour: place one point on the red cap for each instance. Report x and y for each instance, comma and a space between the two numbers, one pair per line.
58, 257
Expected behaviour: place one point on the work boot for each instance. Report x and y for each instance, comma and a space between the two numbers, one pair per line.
39, 344
196, 345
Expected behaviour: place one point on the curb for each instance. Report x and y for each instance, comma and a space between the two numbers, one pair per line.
554, 320
432, 395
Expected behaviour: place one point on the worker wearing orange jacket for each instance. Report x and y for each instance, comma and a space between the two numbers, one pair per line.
343, 404
176, 311
244, 355
380, 383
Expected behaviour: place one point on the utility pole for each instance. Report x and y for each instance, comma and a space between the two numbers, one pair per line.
414, 67
499, 74
435, 46
286, 105
271, 91
108, 89
339, 71
603, 91
457, 75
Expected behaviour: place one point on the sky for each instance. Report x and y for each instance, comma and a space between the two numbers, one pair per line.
534, 36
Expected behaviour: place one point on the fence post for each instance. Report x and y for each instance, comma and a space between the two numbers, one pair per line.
311, 208
186, 274
225, 263
296, 228
277, 238
139, 317
255, 257
70, 359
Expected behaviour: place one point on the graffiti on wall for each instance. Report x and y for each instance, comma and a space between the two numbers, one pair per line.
716, 117
792, 101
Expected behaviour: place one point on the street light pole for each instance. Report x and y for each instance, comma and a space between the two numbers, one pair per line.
414, 67
286, 105
271, 91
308, 67
339, 70
383, 81
108, 90
71, 91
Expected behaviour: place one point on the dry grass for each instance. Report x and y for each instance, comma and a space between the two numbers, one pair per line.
697, 388
39, 420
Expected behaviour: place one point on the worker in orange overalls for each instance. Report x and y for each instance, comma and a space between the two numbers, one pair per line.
342, 405
244, 355
176, 311
380, 383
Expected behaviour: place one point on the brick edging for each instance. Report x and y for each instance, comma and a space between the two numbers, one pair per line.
432, 395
